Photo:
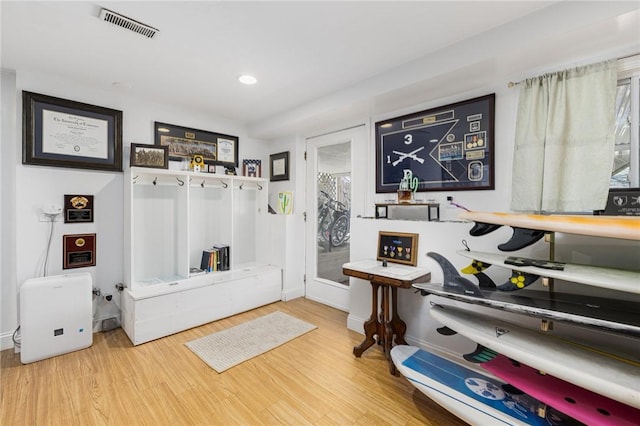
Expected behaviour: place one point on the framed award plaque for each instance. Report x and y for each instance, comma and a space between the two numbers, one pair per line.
78, 208
79, 250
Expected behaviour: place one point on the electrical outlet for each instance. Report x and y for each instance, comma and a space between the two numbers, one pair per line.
450, 202
46, 218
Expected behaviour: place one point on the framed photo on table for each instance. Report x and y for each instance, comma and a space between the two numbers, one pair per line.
184, 143
398, 247
447, 148
279, 166
63, 133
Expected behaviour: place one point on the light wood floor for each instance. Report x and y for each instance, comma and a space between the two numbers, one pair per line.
312, 380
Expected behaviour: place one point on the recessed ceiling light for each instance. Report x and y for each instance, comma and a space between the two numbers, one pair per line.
247, 79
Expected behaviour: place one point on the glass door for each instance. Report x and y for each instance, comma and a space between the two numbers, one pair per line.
329, 201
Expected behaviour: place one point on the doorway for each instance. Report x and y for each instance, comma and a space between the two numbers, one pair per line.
329, 212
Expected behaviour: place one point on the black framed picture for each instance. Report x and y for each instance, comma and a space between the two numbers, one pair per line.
143, 155
63, 133
446, 148
398, 247
279, 166
184, 143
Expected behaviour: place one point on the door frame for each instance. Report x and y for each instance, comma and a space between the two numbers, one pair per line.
322, 290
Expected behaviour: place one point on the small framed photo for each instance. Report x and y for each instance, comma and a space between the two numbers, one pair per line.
398, 247
279, 166
381, 211
252, 168
155, 156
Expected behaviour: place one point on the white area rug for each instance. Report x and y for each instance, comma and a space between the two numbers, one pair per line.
230, 347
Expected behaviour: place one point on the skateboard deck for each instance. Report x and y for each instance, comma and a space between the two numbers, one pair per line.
606, 374
610, 278
529, 228
581, 404
471, 396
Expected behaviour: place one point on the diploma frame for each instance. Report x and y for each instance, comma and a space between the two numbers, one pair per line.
66, 147
279, 166
184, 142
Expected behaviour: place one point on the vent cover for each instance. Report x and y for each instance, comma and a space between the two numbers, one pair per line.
127, 23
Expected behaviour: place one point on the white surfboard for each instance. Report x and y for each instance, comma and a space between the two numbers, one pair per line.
468, 394
605, 374
624, 227
613, 279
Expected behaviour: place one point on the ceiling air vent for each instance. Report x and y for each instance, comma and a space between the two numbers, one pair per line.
127, 23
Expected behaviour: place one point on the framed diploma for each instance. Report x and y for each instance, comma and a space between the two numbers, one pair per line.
63, 133
279, 167
183, 142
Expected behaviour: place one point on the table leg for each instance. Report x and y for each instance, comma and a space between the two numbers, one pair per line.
399, 327
388, 328
371, 326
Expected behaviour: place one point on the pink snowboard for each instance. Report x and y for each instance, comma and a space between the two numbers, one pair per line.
574, 401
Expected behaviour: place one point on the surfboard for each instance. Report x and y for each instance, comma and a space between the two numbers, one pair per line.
608, 375
529, 228
471, 396
576, 402
611, 315
610, 278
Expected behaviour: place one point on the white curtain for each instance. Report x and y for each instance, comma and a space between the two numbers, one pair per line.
564, 142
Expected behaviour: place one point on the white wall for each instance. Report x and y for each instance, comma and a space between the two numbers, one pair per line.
38, 185
8, 153
289, 234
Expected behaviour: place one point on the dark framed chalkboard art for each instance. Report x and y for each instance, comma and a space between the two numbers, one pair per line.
446, 148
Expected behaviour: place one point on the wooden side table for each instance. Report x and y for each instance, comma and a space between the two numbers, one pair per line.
385, 322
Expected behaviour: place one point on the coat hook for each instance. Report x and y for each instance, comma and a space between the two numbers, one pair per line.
259, 186
224, 185
135, 179
241, 185
155, 180
202, 184
180, 182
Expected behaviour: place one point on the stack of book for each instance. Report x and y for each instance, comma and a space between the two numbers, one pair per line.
215, 259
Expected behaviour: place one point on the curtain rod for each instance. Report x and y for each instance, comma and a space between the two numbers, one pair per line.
512, 83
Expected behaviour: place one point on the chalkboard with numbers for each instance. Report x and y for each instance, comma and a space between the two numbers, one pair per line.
446, 148
398, 247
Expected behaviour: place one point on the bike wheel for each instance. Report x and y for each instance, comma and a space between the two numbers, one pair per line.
339, 230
